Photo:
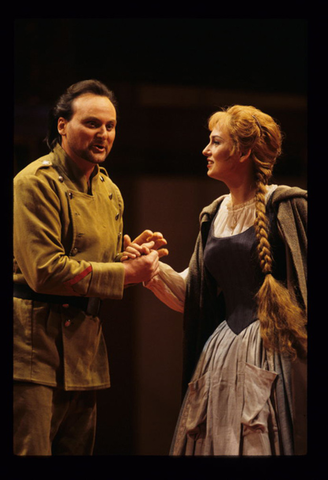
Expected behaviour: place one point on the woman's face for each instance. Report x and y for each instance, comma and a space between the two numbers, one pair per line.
221, 163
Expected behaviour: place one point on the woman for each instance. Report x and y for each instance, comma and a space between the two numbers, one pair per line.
244, 301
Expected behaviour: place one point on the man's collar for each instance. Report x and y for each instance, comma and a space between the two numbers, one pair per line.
71, 169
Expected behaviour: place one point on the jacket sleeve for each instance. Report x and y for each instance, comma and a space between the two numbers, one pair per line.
40, 253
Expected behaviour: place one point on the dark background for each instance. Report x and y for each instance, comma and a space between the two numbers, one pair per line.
169, 75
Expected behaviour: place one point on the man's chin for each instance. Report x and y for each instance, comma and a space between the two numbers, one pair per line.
96, 159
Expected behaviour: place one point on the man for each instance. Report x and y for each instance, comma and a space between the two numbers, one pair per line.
67, 244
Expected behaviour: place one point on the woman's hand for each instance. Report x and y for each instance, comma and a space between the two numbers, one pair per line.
143, 245
134, 250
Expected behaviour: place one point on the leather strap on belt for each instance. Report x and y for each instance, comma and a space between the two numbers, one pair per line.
91, 306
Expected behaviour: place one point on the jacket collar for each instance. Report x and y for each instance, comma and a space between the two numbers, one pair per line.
69, 168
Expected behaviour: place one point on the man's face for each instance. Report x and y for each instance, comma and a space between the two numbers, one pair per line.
89, 135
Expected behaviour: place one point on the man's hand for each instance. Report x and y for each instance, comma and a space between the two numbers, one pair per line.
141, 269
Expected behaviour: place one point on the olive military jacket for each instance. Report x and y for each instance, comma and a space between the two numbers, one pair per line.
66, 242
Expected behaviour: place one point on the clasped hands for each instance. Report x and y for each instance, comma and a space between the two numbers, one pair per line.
141, 256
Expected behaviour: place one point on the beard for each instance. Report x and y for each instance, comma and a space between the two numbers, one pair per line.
92, 154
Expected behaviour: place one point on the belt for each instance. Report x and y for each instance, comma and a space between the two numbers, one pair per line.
91, 306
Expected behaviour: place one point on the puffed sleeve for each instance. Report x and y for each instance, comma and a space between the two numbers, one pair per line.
169, 286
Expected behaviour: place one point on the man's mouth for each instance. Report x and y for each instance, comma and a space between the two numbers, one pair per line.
98, 148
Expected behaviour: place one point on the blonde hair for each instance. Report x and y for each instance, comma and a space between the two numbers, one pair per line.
282, 321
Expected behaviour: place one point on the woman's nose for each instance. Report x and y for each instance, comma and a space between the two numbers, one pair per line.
206, 151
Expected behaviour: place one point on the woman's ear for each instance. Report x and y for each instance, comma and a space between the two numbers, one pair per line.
245, 156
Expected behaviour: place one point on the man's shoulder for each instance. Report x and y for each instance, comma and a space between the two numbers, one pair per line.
42, 164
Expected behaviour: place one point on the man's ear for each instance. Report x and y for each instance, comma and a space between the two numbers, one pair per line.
61, 126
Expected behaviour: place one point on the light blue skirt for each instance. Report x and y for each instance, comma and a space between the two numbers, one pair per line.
230, 407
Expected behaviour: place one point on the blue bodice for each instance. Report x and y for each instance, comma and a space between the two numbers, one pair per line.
234, 264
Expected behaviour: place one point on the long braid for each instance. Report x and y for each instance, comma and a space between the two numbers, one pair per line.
262, 230
282, 322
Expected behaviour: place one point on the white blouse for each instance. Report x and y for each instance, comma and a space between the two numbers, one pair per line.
170, 286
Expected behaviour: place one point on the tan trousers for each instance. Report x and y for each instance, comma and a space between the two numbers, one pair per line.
51, 421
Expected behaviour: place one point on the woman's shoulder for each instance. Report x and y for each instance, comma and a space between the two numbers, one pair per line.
285, 192
289, 200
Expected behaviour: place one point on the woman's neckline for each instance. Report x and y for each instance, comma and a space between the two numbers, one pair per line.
239, 206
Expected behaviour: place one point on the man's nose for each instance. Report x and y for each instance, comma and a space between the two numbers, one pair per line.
101, 131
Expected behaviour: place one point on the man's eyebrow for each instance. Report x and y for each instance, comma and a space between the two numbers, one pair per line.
94, 118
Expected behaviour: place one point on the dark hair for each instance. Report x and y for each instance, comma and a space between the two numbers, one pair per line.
63, 107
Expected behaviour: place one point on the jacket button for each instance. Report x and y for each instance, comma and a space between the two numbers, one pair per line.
74, 251
117, 216
60, 178
101, 178
110, 196
70, 194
